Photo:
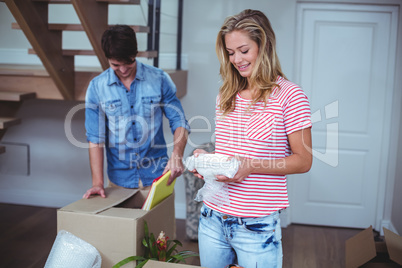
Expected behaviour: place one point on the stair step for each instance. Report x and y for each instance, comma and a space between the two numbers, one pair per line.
54, 1
85, 52
2, 149
16, 96
35, 78
79, 27
34, 70
6, 122
132, 2
22, 70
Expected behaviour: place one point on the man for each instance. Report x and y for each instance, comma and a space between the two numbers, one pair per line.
124, 111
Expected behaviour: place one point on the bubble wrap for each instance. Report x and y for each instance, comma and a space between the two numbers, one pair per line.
70, 251
209, 166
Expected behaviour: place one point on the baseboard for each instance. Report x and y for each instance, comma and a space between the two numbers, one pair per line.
387, 224
21, 56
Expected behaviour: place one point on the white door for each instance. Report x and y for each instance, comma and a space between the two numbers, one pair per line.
345, 64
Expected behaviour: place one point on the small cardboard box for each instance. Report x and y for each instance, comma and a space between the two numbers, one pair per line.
158, 264
363, 251
115, 225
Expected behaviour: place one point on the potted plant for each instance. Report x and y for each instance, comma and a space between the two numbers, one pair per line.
160, 249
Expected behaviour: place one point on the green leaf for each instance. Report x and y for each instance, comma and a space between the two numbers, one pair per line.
147, 250
145, 243
181, 256
189, 254
170, 251
176, 259
168, 243
178, 242
151, 251
141, 264
146, 230
153, 247
127, 260
162, 255
152, 238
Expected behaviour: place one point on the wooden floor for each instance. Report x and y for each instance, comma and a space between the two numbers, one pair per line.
27, 234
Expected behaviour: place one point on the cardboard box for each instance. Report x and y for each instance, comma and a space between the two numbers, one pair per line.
158, 264
115, 225
363, 251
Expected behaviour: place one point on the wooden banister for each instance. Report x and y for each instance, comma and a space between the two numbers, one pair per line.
121, 2
94, 19
87, 52
60, 79
116, 2
32, 18
79, 27
54, 1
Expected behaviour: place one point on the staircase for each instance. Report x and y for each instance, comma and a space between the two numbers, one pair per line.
58, 78
10, 102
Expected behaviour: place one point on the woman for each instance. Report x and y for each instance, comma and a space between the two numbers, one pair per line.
264, 121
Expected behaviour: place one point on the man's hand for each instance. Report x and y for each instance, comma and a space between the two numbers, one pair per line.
175, 165
95, 190
96, 163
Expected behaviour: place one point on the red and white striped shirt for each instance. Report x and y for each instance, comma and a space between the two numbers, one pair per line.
258, 132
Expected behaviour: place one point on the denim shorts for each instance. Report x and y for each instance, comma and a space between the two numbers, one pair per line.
249, 242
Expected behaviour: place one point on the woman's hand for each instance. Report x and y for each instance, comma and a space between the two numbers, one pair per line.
196, 153
245, 169
299, 161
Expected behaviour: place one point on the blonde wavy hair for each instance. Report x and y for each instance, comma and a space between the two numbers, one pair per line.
267, 67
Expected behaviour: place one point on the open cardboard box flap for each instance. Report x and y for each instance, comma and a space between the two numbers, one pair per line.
96, 204
362, 248
115, 225
394, 245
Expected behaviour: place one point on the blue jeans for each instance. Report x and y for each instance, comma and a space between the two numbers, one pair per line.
249, 242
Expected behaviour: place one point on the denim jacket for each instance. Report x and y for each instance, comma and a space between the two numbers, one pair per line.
129, 123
